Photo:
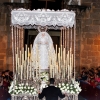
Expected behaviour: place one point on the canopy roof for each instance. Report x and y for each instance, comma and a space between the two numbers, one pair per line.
43, 17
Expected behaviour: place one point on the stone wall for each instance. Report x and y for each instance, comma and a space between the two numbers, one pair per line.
6, 61
5, 39
90, 35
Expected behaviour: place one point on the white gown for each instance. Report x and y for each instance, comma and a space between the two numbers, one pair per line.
44, 43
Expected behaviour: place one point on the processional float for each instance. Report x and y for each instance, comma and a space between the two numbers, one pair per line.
62, 67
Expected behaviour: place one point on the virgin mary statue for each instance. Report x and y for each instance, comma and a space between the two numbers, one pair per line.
44, 44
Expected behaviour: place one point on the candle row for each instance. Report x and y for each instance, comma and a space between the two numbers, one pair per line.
60, 64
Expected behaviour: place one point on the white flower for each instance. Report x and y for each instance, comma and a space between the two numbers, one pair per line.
15, 87
22, 84
25, 87
28, 87
59, 86
72, 88
63, 84
67, 87
66, 84
35, 89
59, 83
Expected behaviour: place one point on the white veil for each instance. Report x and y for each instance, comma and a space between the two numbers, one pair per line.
42, 46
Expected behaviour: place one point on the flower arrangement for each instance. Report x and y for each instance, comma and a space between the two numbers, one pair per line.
71, 88
22, 89
44, 76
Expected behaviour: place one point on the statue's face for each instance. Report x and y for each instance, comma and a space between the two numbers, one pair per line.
43, 34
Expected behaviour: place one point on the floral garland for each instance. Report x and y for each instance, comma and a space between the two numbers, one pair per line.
22, 89
71, 88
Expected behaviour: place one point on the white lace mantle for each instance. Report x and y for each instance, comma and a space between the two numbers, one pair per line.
43, 17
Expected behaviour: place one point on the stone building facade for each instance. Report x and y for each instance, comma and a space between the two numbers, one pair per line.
87, 36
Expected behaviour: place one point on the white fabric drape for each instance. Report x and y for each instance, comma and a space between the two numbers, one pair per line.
44, 44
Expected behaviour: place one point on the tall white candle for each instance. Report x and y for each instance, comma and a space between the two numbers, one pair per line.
59, 58
33, 73
57, 71
26, 51
36, 72
70, 63
61, 52
18, 66
30, 68
17, 52
27, 72
25, 56
31, 49
25, 69
28, 60
68, 72
21, 71
20, 58
56, 52
16, 62
51, 71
